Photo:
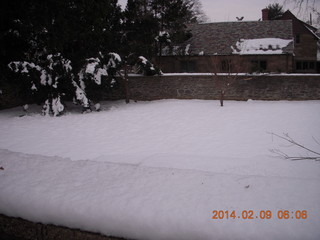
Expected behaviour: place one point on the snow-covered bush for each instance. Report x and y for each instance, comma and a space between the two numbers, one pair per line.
163, 43
94, 70
52, 78
96, 76
49, 80
145, 67
114, 63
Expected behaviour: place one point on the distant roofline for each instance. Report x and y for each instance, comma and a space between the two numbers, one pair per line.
238, 22
226, 22
314, 28
309, 27
227, 55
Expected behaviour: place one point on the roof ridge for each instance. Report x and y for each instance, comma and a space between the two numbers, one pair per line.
266, 21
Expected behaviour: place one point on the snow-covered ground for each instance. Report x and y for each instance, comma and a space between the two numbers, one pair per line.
158, 170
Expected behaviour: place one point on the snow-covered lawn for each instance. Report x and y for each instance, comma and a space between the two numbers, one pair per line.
158, 170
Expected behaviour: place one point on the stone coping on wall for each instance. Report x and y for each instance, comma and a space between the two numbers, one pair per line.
12, 228
229, 74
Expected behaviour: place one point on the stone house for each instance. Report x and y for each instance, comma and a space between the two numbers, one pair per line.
253, 46
306, 45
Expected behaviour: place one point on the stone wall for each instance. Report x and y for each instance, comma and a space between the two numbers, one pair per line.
256, 87
20, 229
205, 86
10, 96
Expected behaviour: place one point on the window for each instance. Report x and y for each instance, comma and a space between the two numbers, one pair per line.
305, 65
263, 65
297, 38
188, 66
298, 65
226, 66
259, 65
311, 65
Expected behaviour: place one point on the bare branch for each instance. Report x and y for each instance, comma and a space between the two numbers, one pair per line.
301, 5
290, 140
316, 140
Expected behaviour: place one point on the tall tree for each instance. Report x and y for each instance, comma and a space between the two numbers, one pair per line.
305, 8
139, 28
301, 4
275, 11
146, 21
198, 14
77, 29
36, 34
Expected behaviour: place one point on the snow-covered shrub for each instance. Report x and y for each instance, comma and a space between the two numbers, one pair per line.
80, 96
163, 43
53, 105
52, 79
145, 67
93, 70
49, 80
96, 75
114, 63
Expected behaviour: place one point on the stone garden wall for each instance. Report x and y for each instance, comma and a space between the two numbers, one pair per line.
19, 229
236, 87
205, 86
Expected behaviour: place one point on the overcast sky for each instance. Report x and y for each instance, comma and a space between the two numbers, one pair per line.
228, 10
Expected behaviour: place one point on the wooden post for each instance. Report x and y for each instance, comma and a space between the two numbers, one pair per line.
126, 81
221, 97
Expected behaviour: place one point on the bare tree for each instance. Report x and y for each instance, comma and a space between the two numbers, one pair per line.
304, 7
314, 155
227, 70
301, 4
197, 9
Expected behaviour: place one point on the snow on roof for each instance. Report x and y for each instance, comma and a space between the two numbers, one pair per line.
260, 46
217, 38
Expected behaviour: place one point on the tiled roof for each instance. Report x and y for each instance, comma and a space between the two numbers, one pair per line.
221, 38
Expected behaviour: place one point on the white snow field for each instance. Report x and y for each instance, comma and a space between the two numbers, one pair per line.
160, 169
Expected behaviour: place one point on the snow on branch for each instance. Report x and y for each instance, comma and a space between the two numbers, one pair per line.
145, 67
48, 78
96, 75
52, 78
163, 37
285, 136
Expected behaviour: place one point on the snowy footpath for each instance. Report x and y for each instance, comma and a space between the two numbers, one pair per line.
169, 169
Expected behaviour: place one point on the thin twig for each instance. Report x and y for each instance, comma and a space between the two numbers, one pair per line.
315, 140
287, 138
290, 140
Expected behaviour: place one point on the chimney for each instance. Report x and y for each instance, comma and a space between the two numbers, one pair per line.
265, 14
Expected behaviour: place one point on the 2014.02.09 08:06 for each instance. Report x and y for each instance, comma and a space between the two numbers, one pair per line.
262, 214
